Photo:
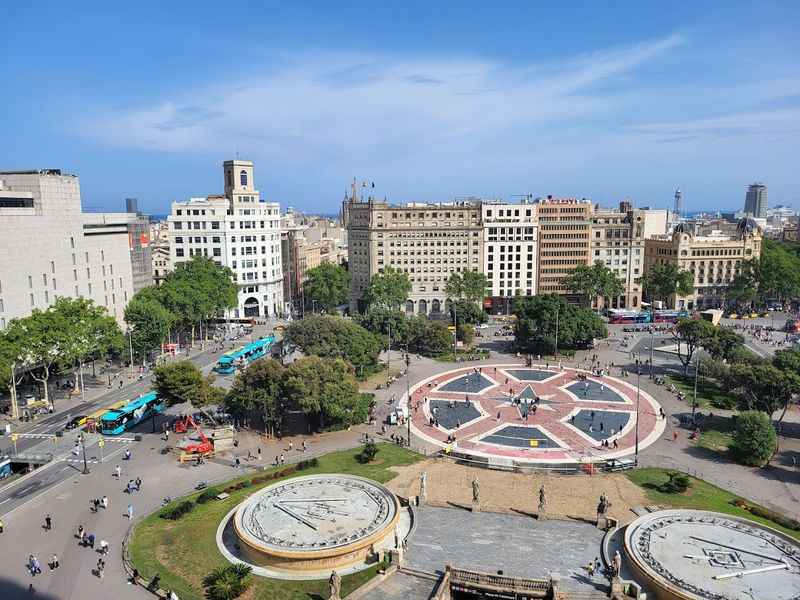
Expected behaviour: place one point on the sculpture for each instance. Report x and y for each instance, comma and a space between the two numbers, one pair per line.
476, 491
616, 564
542, 502
423, 486
335, 584
603, 505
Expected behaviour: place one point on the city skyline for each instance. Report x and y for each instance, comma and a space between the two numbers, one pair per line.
430, 103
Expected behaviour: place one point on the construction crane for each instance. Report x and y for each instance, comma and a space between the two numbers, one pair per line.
204, 447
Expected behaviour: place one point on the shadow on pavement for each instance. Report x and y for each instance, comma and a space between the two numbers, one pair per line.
11, 590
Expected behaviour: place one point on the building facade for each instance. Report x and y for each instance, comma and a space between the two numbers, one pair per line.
510, 252
237, 230
140, 243
50, 248
429, 242
755, 201
564, 240
713, 259
618, 241
298, 255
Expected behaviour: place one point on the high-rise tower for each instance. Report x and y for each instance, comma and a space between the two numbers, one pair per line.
678, 202
755, 202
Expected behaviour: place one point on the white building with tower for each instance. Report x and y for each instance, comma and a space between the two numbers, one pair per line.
237, 230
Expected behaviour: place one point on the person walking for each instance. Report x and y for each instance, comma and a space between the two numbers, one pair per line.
2, 525
305, 446
130, 512
81, 533
259, 453
104, 502
138, 484
118, 471
101, 567
53, 562
48, 523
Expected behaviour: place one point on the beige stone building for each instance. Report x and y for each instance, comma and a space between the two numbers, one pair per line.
714, 259
618, 241
429, 242
298, 255
564, 240
49, 247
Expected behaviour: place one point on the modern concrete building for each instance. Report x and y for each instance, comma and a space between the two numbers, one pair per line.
714, 260
429, 242
140, 243
510, 252
237, 230
50, 248
564, 240
755, 201
618, 241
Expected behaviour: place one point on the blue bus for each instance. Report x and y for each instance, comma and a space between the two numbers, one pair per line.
117, 420
245, 355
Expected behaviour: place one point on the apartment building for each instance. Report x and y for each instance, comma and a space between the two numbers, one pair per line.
237, 230
298, 255
429, 242
564, 240
618, 241
510, 252
49, 247
714, 259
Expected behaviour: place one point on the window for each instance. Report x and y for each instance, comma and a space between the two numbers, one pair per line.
44, 278
33, 302
112, 268
90, 289
86, 257
178, 225
179, 252
243, 178
102, 255
54, 283
72, 242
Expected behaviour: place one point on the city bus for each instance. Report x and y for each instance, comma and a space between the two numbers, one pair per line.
627, 316
117, 420
669, 316
245, 355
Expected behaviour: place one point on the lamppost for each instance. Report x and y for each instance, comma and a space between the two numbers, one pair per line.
557, 310
696, 371
652, 336
85, 465
638, 370
388, 352
130, 347
408, 395
455, 332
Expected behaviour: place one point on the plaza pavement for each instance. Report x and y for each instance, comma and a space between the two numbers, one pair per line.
68, 500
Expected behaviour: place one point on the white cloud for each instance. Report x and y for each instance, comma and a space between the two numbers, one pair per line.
323, 106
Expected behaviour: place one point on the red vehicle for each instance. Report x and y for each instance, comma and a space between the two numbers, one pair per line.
204, 447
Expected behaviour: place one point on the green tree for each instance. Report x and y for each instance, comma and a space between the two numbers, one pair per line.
435, 339
42, 337
467, 312
469, 285
665, 280
228, 582
743, 290
328, 285
182, 381
536, 324
389, 289
198, 289
787, 360
149, 321
763, 387
754, 439
258, 388
326, 391
466, 333
779, 272
690, 334
590, 282
724, 344
335, 337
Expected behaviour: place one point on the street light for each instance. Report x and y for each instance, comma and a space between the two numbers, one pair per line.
408, 395
130, 347
637, 411
558, 306
85, 465
696, 371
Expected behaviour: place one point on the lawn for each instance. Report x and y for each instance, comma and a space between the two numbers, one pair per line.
709, 393
376, 379
716, 434
182, 552
701, 495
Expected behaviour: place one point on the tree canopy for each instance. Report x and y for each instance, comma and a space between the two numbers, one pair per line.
536, 324
149, 322
335, 337
258, 388
328, 285
467, 312
182, 381
691, 334
666, 279
469, 285
590, 282
198, 289
389, 289
754, 439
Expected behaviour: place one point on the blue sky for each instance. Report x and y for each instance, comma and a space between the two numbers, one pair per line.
429, 100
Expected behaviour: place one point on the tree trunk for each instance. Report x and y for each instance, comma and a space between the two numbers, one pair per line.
76, 389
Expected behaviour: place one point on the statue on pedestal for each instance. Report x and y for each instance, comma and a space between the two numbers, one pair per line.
616, 564
602, 512
423, 486
335, 584
476, 494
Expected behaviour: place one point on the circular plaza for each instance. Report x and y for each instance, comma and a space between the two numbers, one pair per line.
537, 415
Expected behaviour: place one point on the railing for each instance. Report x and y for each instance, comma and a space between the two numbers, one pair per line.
477, 579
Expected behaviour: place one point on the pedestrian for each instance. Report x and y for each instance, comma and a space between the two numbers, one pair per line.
127, 454
104, 501
81, 534
48, 523
259, 453
674, 436
237, 463
138, 484
118, 471
290, 446
103, 546
130, 512
101, 567
305, 446
2, 525
90, 540
129, 487
590, 568
53, 562
283, 459
120, 384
